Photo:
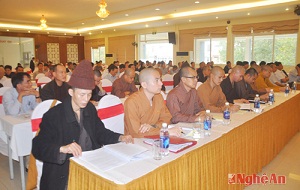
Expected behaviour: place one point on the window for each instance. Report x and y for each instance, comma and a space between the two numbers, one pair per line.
211, 49
98, 54
15, 50
155, 46
269, 48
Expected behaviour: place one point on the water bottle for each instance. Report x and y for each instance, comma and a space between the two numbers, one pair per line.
256, 103
164, 140
271, 97
226, 114
294, 88
287, 90
207, 123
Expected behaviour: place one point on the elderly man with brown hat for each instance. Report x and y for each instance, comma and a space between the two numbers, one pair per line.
70, 128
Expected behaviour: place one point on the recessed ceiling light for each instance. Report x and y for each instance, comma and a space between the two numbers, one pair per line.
28, 31
147, 25
82, 23
287, 9
190, 20
48, 32
65, 33
102, 18
157, 9
7, 30
126, 14
248, 13
90, 33
114, 30
101, 32
217, 17
167, 23
197, 2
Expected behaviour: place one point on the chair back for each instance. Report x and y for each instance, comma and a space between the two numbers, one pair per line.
7, 83
198, 84
43, 80
2, 91
38, 112
107, 85
111, 112
39, 75
27, 70
167, 80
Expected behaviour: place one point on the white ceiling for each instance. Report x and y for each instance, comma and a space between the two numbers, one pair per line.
70, 15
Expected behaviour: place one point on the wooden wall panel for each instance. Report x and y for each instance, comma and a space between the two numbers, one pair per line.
95, 43
121, 47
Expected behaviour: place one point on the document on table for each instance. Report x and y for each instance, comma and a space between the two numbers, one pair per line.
111, 156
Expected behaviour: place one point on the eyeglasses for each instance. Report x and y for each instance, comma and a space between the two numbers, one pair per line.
193, 77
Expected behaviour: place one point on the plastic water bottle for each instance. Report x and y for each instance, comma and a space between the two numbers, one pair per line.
294, 88
256, 103
271, 97
226, 114
287, 90
207, 123
164, 140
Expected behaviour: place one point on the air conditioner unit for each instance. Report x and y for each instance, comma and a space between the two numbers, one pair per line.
185, 56
109, 58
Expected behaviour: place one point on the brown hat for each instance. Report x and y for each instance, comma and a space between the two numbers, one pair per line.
83, 77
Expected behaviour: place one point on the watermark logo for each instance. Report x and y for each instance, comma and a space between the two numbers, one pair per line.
240, 178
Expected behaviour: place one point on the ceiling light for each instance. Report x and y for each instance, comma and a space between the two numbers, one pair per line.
102, 19
231, 7
248, 14
7, 30
147, 25
217, 17
114, 30
190, 20
82, 23
65, 34
167, 23
48, 32
28, 31
157, 9
287, 9
102, 12
126, 14
90, 33
43, 25
197, 2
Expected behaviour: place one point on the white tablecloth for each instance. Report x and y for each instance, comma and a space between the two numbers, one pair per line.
137, 168
18, 128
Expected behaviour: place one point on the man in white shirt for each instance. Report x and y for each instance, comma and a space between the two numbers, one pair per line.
112, 73
294, 75
22, 98
273, 78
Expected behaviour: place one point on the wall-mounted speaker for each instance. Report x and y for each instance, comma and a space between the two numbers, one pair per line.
172, 37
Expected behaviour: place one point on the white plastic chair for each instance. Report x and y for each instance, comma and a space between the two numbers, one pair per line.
3, 137
198, 84
7, 83
43, 80
39, 76
167, 80
36, 119
111, 112
107, 85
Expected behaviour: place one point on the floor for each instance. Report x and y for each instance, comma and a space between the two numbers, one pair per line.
287, 163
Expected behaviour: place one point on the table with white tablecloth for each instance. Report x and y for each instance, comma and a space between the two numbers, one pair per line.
19, 136
250, 142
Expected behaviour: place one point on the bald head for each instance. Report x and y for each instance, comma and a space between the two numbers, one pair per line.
147, 74
238, 69
217, 71
128, 72
185, 71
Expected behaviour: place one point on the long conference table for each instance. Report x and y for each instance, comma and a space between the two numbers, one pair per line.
249, 143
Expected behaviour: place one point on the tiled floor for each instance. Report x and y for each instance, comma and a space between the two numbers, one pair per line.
286, 163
